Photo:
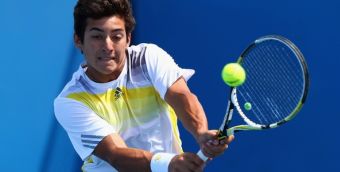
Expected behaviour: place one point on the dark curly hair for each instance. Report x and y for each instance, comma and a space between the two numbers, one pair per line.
96, 9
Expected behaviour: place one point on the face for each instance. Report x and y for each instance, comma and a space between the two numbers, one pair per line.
104, 46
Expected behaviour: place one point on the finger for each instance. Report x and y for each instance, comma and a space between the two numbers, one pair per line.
206, 152
195, 162
215, 150
218, 147
191, 158
214, 134
227, 140
186, 162
212, 151
212, 137
216, 142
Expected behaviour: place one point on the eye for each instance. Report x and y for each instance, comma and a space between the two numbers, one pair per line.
97, 37
116, 37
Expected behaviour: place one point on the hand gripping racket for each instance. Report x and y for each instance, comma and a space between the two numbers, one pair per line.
276, 86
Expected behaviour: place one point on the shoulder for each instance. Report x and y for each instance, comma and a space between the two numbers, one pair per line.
66, 110
146, 55
64, 102
144, 49
142, 46
73, 85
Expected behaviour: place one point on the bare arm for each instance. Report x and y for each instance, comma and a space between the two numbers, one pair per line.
113, 150
190, 112
187, 107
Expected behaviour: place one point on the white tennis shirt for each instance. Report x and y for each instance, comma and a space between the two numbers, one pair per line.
132, 106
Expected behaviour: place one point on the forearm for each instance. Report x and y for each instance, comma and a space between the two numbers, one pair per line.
129, 159
190, 112
113, 150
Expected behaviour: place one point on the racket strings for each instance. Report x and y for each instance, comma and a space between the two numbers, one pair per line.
274, 83
274, 51
277, 89
263, 86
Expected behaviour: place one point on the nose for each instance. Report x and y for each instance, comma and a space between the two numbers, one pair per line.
108, 45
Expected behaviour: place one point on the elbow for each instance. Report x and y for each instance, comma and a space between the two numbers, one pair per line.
111, 157
122, 158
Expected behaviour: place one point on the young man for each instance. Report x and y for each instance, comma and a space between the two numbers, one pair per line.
120, 108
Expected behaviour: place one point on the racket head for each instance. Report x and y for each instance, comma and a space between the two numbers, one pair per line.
276, 85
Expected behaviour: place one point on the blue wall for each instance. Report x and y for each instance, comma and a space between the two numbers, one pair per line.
35, 47
38, 57
205, 35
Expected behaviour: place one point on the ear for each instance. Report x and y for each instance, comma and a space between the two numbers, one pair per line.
128, 39
77, 41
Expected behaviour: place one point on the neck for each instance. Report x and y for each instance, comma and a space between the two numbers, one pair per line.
102, 78
99, 77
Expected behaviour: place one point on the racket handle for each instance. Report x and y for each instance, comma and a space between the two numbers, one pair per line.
202, 156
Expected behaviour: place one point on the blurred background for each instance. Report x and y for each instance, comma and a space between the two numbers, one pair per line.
38, 57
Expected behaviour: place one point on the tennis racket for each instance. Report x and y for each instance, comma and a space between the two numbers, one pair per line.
276, 86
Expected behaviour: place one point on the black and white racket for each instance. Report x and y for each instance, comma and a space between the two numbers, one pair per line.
275, 89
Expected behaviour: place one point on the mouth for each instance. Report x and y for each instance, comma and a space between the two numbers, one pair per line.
105, 58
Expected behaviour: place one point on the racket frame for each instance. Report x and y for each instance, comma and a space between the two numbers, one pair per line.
233, 102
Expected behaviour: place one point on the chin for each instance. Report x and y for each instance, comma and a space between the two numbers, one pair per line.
108, 71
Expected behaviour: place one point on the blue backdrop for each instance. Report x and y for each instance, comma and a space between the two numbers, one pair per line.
38, 57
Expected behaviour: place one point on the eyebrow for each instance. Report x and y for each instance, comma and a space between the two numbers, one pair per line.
96, 29
101, 30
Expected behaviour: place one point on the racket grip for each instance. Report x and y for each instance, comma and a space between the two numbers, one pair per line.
202, 156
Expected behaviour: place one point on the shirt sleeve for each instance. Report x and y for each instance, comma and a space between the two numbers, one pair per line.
162, 69
84, 128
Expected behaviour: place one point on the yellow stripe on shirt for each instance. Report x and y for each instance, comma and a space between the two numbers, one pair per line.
136, 106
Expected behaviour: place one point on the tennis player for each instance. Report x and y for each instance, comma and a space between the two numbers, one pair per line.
121, 106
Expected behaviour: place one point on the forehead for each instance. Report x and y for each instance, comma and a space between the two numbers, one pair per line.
106, 23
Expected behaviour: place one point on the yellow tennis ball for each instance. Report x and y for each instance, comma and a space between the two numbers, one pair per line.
233, 74
247, 106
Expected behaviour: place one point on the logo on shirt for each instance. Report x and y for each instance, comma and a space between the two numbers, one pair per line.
118, 93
